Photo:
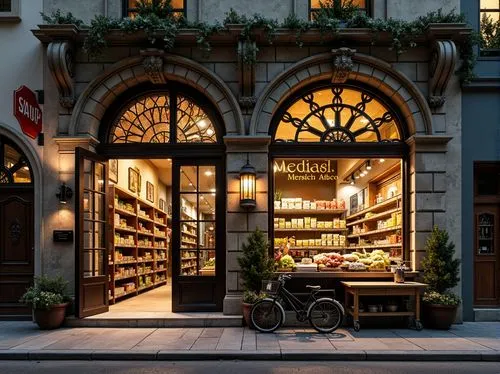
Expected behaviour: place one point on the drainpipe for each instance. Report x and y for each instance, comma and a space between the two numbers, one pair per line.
105, 8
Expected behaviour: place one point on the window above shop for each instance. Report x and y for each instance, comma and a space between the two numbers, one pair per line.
338, 7
490, 27
9, 11
337, 114
131, 7
14, 167
148, 119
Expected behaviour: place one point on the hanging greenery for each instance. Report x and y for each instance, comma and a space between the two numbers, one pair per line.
156, 18
489, 36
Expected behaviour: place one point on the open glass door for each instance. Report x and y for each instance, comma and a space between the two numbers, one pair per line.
91, 239
198, 254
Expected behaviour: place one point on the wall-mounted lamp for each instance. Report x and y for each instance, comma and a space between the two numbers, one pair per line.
248, 189
65, 193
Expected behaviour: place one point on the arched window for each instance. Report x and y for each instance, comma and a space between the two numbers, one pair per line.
163, 118
337, 114
14, 166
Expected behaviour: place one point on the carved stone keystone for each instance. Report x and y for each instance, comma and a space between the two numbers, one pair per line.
247, 55
441, 68
153, 65
60, 61
342, 64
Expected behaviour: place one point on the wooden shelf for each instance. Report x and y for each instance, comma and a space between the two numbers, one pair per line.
145, 261
145, 218
188, 267
145, 287
125, 263
160, 270
374, 217
123, 246
126, 277
189, 234
124, 212
118, 228
311, 230
149, 272
160, 224
309, 211
188, 258
125, 294
373, 232
375, 207
374, 246
320, 248
139, 247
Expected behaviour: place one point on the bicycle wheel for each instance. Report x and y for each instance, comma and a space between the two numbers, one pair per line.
266, 316
325, 316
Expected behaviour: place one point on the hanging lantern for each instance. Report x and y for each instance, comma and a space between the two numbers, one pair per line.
248, 188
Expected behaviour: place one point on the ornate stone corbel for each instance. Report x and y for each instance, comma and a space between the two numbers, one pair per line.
60, 61
247, 56
342, 64
441, 67
153, 65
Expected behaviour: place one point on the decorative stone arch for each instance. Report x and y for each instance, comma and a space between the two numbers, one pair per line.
36, 169
130, 72
366, 69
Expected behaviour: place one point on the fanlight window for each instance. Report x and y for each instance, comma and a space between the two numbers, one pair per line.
14, 167
338, 115
148, 120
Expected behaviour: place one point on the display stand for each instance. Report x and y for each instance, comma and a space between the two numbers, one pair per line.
138, 256
357, 289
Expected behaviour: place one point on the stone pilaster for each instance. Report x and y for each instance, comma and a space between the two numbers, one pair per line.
239, 221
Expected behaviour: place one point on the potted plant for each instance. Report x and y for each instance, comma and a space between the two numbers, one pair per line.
255, 266
49, 299
441, 274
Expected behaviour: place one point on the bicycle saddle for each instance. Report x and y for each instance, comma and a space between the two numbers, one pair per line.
313, 287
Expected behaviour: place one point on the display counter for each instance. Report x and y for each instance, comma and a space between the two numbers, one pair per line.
348, 275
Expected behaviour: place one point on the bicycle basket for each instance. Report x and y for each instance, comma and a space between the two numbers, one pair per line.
270, 287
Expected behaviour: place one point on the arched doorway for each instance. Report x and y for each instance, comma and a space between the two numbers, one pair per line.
16, 228
176, 130
340, 178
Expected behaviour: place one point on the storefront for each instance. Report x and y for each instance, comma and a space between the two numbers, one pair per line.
345, 155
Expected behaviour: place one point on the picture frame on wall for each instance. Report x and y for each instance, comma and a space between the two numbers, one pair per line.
133, 180
161, 205
150, 192
113, 170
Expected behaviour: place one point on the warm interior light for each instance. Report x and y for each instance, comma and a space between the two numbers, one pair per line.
382, 160
356, 175
352, 180
368, 165
210, 132
208, 173
202, 123
26, 168
248, 178
331, 122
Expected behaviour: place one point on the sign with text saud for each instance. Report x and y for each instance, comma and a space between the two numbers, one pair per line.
27, 111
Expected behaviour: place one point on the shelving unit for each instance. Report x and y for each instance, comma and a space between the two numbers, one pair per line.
313, 233
138, 257
189, 242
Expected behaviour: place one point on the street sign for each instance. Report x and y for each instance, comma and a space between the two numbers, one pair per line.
27, 111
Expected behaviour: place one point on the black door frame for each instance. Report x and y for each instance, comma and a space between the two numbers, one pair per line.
220, 240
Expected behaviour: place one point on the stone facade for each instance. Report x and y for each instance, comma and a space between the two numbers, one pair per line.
281, 69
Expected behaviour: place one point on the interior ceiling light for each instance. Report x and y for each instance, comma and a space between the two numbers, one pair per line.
382, 160
352, 180
356, 175
368, 165
208, 173
212, 190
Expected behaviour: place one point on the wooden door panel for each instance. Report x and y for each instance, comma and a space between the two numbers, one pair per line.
16, 249
485, 287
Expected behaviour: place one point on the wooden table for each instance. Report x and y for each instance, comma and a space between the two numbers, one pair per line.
357, 289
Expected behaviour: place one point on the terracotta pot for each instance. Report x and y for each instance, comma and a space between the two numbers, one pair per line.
437, 316
52, 318
246, 314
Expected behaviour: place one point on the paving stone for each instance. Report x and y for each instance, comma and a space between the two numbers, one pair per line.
205, 344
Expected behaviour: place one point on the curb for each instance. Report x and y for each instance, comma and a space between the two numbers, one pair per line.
287, 355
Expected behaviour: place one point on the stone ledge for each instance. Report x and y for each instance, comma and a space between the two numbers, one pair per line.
428, 143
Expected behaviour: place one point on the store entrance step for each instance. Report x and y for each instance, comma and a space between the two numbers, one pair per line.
487, 314
169, 320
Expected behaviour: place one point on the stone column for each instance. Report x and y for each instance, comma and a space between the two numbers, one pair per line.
239, 222
427, 190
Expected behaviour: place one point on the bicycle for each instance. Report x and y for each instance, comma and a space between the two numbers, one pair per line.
325, 314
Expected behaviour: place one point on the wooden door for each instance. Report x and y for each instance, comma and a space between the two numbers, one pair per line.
91, 234
16, 248
487, 255
198, 236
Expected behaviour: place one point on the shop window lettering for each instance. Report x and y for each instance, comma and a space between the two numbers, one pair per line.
306, 170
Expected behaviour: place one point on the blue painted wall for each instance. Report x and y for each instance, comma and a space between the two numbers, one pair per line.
480, 142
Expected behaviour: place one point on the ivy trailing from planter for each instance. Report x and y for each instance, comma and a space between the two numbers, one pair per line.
161, 21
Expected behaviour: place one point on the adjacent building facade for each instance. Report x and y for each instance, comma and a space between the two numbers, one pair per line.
94, 111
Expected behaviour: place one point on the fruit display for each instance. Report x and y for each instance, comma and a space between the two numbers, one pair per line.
328, 260
286, 262
377, 260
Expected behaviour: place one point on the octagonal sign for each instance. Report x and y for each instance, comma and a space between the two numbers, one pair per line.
27, 111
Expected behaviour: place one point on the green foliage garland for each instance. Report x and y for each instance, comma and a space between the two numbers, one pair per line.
157, 18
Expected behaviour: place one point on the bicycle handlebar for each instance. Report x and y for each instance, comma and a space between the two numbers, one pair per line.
284, 277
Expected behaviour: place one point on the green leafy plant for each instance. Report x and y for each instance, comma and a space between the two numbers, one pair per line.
440, 268
338, 9
441, 298
489, 35
255, 263
46, 292
158, 8
59, 18
251, 297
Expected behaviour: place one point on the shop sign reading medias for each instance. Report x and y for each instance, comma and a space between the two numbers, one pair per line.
306, 170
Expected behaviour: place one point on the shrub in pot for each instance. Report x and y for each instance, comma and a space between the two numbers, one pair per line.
441, 274
49, 299
255, 266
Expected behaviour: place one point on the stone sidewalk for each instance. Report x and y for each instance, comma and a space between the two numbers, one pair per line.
469, 341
